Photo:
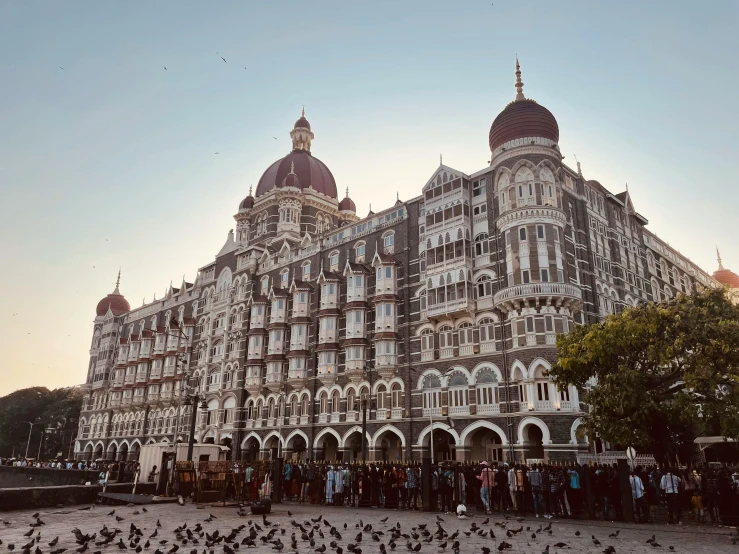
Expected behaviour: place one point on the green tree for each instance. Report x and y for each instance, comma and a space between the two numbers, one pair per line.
662, 373
56, 411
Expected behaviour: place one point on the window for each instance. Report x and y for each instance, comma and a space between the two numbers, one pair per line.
465, 334
283, 279
478, 187
487, 330
530, 324
265, 285
306, 271
359, 252
445, 337
334, 261
522, 233
427, 340
484, 286
540, 231
544, 275
525, 276
481, 244
389, 240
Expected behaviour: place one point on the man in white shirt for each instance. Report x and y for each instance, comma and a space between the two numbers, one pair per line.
641, 509
670, 485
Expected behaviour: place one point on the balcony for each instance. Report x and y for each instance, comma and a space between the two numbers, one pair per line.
382, 413
487, 409
273, 381
253, 383
396, 413
432, 412
467, 350
323, 418
531, 207
453, 263
352, 416
152, 397
293, 420
327, 372
446, 353
304, 420
453, 223
560, 294
485, 303
427, 355
166, 395
126, 401
459, 410
451, 307
139, 400
487, 346
544, 406
249, 423
335, 417
296, 377
114, 402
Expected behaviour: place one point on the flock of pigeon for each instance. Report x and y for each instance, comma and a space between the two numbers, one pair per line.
314, 535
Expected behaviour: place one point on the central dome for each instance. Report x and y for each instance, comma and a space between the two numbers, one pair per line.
522, 118
311, 172
304, 170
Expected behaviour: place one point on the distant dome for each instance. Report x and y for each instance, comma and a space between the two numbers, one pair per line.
302, 123
247, 203
347, 204
727, 277
310, 172
115, 301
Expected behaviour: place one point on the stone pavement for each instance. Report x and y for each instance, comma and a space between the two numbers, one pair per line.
631, 538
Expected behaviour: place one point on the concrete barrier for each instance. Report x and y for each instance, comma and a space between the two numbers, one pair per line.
26, 498
13, 477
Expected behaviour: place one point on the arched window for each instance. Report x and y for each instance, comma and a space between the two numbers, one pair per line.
484, 286
359, 252
482, 246
427, 340
323, 400
336, 402
259, 412
465, 334
388, 242
351, 399
284, 276
264, 285
488, 396
304, 405
445, 337
334, 260
487, 330
397, 396
382, 402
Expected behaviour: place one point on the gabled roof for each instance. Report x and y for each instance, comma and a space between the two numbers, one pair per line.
451, 173
277, 292
354, 267
229, 246
380, 258
328, 276
297, 284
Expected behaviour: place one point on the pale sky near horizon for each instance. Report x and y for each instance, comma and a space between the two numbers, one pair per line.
110, 162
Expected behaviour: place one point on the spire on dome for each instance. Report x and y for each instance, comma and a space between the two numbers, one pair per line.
250, 187
292, 168
519, 83
303, 112
718, 256
301, 133
117, 282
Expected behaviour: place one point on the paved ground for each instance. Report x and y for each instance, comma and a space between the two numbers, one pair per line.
631, 538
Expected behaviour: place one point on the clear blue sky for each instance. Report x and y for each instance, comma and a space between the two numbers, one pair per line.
111, 161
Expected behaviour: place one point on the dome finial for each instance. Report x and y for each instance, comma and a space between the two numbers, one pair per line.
292, 168
347, 192
718, 255
519, 83
303, 112
117, 282
250, 187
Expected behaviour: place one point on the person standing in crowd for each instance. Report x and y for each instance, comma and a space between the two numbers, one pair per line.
546, 485
573, 489
512, 485
693, 484
486, 479
535, 481
501, 486
411, 483
601, 489
641, 509
670, 485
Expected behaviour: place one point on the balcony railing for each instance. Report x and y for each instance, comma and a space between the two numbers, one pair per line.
537, 289
352, 416
544, 405
431, 412
323, 418
459, 410
451, 307
114, 402
304, 420
386, 360
466, 349
335, 417
396, 413
446, 352
427, 355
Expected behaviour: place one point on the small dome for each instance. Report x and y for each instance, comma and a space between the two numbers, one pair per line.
302, 123
291, 180
727, 277
247, 203
115, 301
521, 119
347, 205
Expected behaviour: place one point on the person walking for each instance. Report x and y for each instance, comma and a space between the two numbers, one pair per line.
535, 481
641, 511
670, 485
486, 483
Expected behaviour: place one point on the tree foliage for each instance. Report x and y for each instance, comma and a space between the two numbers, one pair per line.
661, 373
56, 411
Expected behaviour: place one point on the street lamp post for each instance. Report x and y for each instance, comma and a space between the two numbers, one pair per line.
40, 442
193, 419
28, 443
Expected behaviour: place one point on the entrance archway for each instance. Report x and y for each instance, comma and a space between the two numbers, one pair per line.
389, 443
250, 452
533, 442
98, 452
123, 452
326, 445
271, 447
485, 444
112, 453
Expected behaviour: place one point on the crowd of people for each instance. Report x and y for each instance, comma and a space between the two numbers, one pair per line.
119, 471
704, 495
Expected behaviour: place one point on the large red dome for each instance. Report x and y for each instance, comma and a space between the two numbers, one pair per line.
522, 119
727, 277
311, 172
117, 303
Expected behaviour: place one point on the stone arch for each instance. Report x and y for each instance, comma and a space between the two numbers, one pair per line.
443, 323
573, 432
423, 327
251, 435
518, 369
437, 425
525, 422
428, 373
382, 430
487, 365
293, 435
455, 371
470, 429
270, 435
523, 164
536, 363
326, 431
350, 432
461, 320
